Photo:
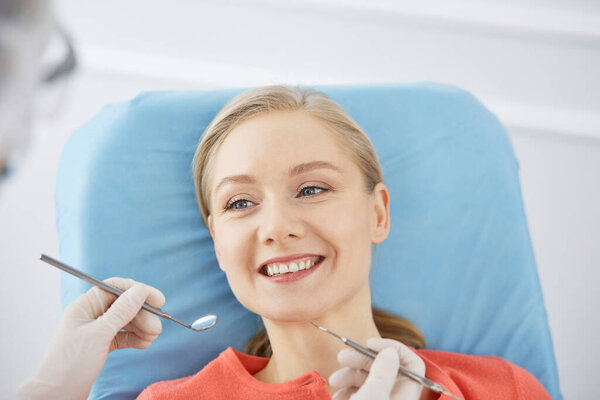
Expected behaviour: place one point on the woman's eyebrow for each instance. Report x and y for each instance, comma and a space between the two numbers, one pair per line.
234, 179
297, 170
309, 166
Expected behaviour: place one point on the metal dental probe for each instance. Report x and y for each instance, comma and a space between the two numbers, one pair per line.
428, 383
199, 325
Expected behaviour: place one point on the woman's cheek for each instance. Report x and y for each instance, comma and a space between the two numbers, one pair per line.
336, 217
353, 235
225, 247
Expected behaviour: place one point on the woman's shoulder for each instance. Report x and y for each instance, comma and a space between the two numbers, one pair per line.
481, 375
187, 387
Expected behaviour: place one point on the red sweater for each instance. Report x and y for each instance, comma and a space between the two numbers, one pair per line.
230, 376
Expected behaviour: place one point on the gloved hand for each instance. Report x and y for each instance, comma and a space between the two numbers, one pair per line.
89, 329
363, 378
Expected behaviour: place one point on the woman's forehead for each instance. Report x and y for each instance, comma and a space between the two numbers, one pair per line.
283, 128
282, 140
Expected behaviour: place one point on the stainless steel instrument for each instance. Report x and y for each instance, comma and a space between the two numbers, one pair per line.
199, 325
428, 383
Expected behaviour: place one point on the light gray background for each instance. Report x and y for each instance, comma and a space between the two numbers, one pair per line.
535, 64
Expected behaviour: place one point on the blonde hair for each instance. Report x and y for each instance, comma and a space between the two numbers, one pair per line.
350, 136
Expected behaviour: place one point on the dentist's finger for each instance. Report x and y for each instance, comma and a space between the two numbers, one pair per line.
144, 333
344, 394
382, 376
405, 387
96, 301
125, 339
347, 377
408, 358
125, 308
154, 297
145, 323
353, 359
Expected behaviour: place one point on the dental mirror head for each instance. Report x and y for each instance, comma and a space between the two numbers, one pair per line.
203, 323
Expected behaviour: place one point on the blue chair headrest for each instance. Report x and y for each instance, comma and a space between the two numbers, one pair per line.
458, 262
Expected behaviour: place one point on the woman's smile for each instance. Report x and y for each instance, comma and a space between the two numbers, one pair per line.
280, 272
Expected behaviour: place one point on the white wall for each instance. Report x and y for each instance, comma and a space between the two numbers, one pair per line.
534, 64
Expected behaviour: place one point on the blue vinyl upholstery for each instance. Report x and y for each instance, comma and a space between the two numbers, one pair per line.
458, 261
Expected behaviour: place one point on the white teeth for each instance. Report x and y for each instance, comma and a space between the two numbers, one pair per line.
281, 268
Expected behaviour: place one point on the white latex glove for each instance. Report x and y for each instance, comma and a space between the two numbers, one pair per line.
363, 378
89, 329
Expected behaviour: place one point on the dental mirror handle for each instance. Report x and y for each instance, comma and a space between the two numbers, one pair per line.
116, 291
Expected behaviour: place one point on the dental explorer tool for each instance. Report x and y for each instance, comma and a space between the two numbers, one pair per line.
428, 383
199, 325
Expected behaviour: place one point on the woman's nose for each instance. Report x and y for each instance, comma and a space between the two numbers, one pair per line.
279, 223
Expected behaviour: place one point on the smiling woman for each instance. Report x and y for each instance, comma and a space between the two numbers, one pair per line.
300, 147
293, 219
292, 193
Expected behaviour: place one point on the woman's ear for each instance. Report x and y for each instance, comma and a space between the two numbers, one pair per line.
381, 213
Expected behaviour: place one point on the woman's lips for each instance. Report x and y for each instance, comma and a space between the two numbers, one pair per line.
293, 276
288, 259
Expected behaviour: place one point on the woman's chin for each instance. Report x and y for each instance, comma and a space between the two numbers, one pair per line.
298, 313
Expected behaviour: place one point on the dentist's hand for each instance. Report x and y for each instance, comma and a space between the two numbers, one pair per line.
89, 329
363, 378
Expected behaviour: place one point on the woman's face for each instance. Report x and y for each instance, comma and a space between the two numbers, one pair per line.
284, 195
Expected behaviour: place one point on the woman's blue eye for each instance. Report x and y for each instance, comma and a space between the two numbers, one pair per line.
235, 204
310, 190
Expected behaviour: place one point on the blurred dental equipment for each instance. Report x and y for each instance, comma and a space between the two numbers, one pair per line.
436, 387
34, 53
199, 325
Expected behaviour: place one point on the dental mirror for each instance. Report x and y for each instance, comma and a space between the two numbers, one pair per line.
199, 325
202, 323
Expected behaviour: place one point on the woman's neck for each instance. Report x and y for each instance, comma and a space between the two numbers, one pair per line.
299, 347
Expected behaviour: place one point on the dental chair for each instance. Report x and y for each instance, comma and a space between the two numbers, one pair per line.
458, 261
